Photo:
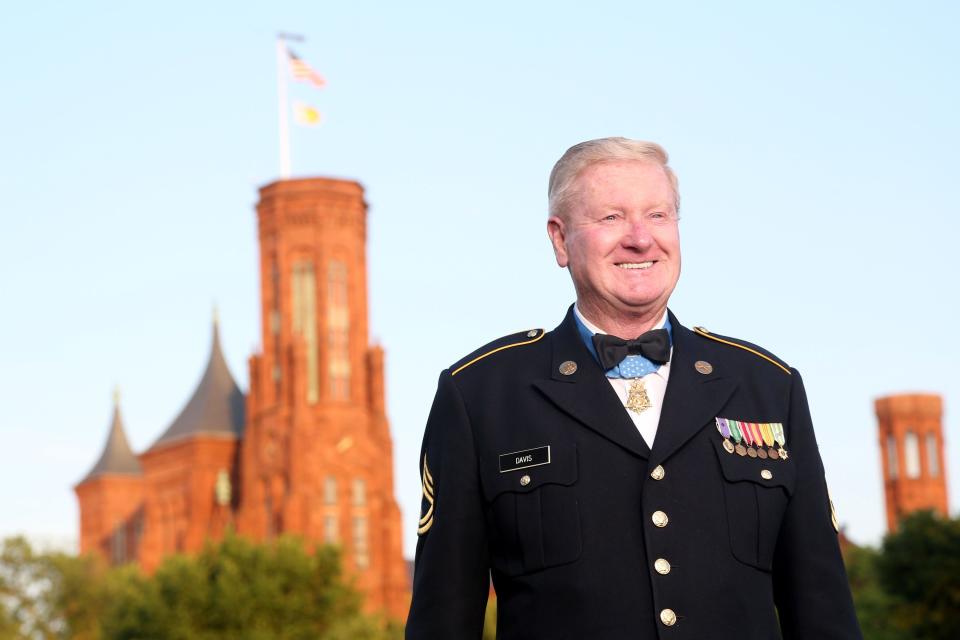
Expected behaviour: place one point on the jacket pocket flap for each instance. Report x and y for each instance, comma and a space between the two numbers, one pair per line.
767, 473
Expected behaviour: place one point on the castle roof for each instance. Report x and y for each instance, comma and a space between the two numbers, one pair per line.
117, 457
217, 405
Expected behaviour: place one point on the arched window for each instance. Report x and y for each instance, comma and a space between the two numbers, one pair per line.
892, 457
338, 331
359, 492
330, 490
360, 549
305, 322
933, 455
911, 455
330, 533
118, 546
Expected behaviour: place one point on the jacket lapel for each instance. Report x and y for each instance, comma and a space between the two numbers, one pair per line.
586, 394
692, 399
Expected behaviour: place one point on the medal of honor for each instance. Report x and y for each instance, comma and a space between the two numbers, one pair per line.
637, 399
724, 430
780, 438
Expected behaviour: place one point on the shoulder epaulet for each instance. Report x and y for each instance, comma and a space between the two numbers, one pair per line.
506, 342
733, 342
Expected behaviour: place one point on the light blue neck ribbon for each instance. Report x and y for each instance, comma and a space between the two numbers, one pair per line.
629, 367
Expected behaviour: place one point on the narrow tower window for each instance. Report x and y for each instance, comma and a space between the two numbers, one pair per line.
330, 491
359, 492
338, 331
911, 454
330, 529
933, 455
119, 544
275, 322
892, 457
361, 554
305, 322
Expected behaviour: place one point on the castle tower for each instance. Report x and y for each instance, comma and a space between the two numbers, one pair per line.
192, 466
110, 496
317, 457
912, 447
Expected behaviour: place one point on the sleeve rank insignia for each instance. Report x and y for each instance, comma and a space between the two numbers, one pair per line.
833, 513
426, 482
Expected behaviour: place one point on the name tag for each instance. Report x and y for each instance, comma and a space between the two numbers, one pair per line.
524, 459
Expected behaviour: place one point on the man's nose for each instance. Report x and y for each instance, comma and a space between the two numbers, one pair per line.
637, 235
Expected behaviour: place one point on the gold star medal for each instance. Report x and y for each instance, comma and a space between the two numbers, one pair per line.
637, 399
780, 438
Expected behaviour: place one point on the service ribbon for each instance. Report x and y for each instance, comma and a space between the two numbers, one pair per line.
747, 433
766, 430
735, 430
723, 427
778, 433
755, 431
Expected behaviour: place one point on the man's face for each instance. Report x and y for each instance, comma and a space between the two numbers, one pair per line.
620, 239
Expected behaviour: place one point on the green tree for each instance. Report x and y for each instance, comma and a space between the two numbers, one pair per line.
919, 567
239, 589
871, 601
234, 589
24, 581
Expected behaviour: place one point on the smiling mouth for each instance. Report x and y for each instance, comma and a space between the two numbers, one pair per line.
635, 265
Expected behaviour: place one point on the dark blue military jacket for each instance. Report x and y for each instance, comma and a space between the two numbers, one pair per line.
533, 473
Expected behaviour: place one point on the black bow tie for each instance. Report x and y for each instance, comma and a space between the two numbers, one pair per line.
653, 345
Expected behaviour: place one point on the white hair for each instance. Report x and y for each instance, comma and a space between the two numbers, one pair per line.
580, 156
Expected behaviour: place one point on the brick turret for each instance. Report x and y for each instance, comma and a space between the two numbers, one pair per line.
912, 448
110, 497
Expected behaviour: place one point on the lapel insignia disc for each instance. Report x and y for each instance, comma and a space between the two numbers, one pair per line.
568, 367
426, 481
637, 399
524, 459
704, 367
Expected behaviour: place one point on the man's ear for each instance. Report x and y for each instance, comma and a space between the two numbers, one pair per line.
557, 231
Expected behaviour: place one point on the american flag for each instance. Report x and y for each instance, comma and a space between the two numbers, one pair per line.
303, 72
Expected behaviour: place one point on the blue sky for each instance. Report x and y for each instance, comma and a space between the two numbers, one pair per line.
815, 144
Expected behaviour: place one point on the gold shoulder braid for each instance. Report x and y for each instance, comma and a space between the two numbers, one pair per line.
426, 482
700, 331
533, 334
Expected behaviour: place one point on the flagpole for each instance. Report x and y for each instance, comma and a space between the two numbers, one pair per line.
283, 109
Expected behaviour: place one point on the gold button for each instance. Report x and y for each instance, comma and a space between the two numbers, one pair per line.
658, 473
766, 474
568, 367
668, 617
525, 480
532, 333
660, 519
662, 566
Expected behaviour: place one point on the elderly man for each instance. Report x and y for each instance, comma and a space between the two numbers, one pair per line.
623, 476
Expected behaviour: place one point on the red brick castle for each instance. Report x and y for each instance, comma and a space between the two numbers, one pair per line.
307, 450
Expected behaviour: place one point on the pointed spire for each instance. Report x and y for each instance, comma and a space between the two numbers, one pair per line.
217, 404
117, 457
